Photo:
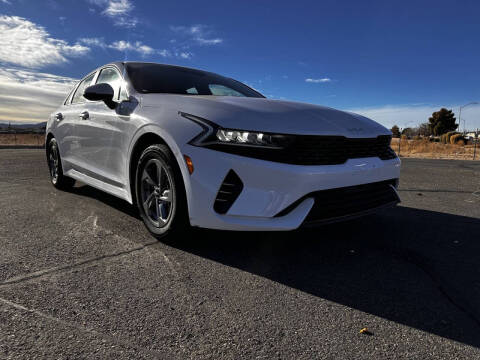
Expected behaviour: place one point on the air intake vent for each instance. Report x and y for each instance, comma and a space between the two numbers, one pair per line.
227, 194
348, 201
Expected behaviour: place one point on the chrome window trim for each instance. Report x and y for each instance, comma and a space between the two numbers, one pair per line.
122, 78
95, 75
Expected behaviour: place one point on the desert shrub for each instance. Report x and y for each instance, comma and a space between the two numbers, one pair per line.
452, 138
456, 138
449, 135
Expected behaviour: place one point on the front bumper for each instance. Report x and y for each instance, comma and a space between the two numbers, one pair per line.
269, 188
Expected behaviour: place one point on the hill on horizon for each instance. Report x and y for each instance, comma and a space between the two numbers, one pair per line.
22, 127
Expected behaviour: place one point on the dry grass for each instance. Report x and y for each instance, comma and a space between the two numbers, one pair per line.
408, 148
432, 150
22, 139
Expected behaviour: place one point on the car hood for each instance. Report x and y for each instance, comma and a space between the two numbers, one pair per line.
276, 116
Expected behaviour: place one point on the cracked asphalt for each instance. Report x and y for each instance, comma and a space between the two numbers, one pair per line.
80, 277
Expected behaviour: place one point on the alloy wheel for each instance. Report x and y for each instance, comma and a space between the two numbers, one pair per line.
157, 193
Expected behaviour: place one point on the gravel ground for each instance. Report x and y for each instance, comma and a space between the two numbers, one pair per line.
80, 277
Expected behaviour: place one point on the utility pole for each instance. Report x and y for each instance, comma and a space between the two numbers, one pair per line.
401, 133
475, 144
399, 141
460, 115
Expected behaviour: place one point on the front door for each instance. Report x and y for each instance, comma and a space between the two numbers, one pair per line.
103, 134
67, 119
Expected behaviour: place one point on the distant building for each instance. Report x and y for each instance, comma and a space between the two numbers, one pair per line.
470, 135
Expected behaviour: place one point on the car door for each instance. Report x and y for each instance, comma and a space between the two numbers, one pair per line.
63, 128
76, 113
103, 136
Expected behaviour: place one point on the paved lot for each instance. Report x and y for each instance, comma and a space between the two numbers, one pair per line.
80, 277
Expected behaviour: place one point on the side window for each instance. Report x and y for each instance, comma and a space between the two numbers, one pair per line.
123, 93
112, 77
78, 97
192, 91
221, 90
69, 97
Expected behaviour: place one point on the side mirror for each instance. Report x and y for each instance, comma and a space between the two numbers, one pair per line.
102, 92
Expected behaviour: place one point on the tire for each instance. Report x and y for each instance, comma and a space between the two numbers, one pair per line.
54, 161
160, 192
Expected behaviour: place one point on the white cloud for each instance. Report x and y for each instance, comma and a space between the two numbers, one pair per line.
120, 11
164, 53
318, 81
100, 42
25, 43
198, 34
185, 55
203, 41
6, 2
119, 7
413, 115
31, 96
128, 22
137, 46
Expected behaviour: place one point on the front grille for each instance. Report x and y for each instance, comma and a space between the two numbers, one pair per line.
231, 187
347, 201
318, 150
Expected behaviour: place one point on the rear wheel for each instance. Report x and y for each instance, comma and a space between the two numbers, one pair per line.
160, 192
57, 178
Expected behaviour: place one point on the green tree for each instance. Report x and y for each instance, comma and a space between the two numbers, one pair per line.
408, 132
395, 131
442, 121
424, 129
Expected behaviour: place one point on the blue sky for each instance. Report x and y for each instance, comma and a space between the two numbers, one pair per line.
395, 61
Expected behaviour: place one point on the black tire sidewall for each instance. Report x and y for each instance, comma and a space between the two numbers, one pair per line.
63, 182
51, 144
177, 219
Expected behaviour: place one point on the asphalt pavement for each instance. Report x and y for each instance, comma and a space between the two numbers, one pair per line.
80, 277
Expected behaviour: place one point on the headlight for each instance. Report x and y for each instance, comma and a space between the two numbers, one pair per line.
219, 138
240, 137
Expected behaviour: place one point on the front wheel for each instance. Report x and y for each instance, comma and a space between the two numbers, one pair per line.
160, 192
57, 178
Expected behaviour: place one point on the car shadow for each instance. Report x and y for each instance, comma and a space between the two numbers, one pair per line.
415, 267
110, 200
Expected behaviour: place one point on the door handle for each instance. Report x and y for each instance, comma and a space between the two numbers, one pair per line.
84, 115
59, 116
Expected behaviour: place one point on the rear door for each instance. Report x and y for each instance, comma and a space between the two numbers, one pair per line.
63, 129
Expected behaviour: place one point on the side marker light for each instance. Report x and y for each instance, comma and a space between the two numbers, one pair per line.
189, 163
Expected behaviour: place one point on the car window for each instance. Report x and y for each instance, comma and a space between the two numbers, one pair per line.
192, 91
123, 92
69, 97
78, 97
170, 79
112, 77
221, 90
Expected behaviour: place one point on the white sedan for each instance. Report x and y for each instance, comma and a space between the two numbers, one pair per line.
193, 148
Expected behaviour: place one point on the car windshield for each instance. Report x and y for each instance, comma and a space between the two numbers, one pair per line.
169, 79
